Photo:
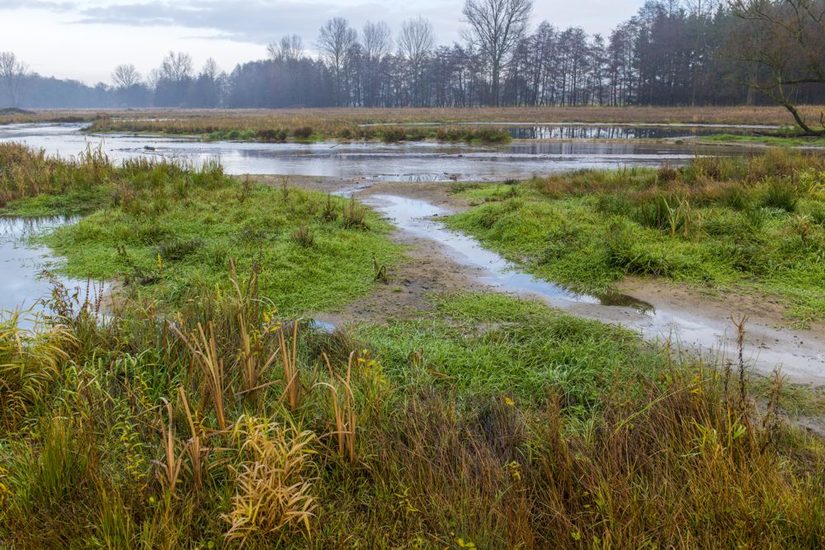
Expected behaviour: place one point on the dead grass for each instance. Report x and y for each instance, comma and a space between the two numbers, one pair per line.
301, 124
273, 492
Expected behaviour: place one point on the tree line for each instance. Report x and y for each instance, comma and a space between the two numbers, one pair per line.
672, 52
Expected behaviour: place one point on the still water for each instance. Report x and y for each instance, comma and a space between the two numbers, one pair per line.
416, 161
24, 265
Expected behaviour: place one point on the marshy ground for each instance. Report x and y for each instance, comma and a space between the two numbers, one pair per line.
439, 413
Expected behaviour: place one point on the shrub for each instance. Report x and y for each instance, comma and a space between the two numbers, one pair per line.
272, 135
393, 135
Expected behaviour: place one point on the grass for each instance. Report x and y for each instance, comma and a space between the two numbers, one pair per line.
216, 420
771, 140
417, 443
259, 131
326, 119
168, 231
490, 343
743, 225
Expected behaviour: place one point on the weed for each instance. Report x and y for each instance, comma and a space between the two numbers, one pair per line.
354, 215
273, 492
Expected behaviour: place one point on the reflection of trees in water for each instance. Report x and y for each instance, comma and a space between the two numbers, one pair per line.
18, 229
599, 132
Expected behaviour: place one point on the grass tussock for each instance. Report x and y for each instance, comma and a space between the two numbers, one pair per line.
749, 224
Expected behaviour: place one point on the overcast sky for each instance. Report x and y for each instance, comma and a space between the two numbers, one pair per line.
86, 40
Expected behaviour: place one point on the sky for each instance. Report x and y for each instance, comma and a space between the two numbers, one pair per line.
85, 40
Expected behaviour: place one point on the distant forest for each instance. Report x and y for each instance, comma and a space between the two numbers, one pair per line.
669, 53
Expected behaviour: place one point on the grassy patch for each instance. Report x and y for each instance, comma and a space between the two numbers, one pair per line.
230, 426
170, 232
730, 224
492, 344
775, 141
172, 249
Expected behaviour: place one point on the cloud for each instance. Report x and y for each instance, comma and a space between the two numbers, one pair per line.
253, 21
37, 5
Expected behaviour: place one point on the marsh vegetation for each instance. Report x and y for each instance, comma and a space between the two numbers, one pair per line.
201, 411
727, 224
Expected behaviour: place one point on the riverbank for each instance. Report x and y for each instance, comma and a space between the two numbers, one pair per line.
724, 226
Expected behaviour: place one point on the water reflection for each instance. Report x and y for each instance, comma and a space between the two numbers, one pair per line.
22, 263
615, 132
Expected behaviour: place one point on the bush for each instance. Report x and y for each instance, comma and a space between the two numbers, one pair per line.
393, 135
272, 136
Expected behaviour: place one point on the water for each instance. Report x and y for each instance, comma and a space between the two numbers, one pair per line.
22, 263
418, 161
599, 131
23, 281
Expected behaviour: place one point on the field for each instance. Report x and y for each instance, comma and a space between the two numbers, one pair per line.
309, 124
202, 411
731, 225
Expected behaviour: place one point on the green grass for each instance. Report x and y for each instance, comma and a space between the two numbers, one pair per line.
171, 250
109, 435
721, 225
488, 422
492, 344
73, 203
169, 232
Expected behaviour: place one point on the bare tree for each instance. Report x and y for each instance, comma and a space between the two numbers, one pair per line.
415, 43
125, 76
176, 67
377, 40
12, 72
496, 27
416, 40
289, 48
785, 40
210, 70
337, 41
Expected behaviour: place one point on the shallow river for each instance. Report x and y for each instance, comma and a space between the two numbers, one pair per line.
417, 161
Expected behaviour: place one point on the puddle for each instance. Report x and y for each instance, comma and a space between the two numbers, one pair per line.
22, 282
802, 358
324, 327
623, 300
